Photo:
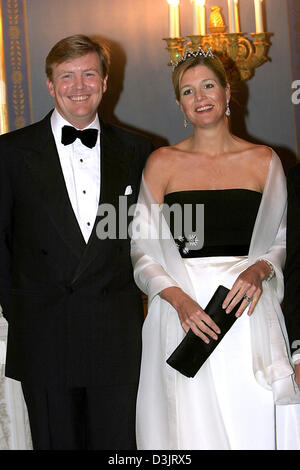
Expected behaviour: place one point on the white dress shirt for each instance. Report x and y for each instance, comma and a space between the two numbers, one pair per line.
81, 169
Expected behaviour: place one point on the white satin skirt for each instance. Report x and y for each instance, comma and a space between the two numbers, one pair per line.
14, 423
222, 407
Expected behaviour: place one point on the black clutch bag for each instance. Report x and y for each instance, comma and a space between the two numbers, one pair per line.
192, 352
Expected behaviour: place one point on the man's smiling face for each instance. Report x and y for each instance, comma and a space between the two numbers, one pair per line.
77, 87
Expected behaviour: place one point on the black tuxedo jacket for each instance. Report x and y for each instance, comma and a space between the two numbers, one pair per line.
292, 266
74, 312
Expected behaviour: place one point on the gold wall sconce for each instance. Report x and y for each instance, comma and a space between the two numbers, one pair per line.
240, 52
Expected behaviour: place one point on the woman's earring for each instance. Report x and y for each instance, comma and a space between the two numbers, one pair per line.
227, 112
185, 122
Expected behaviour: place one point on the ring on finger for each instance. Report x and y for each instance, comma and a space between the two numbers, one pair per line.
247, 298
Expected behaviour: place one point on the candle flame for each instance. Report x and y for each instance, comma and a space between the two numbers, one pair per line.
174, 3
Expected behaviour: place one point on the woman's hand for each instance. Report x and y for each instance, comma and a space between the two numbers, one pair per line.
297, 374
190, 314
248, 286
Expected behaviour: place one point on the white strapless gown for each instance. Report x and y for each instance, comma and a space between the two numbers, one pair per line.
223, 406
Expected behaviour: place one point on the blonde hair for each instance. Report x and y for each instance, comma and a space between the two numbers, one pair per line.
76, 46
213, 63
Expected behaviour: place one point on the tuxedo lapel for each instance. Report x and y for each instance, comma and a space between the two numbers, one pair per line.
46, 171
115, 165
42, 161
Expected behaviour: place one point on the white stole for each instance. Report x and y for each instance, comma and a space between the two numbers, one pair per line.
158, 265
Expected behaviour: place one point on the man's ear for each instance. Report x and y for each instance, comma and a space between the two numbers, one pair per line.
105, 79
50, 87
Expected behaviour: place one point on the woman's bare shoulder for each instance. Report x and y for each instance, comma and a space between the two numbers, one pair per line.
158, 170
159, 154
259, 159
261, 154
162, 158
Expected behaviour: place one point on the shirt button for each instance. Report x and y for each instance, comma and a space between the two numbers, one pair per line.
84, 191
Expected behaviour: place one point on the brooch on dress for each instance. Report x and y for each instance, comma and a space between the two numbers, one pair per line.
185, 244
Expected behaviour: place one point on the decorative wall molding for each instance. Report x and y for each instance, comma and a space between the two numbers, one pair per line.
17, 64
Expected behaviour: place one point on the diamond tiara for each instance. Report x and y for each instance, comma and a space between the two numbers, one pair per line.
193, 54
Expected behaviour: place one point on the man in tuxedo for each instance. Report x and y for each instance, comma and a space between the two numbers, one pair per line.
292, 267
74, 312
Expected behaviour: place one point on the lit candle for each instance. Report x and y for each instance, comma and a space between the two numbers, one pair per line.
258, 16
174, 26
2, 92
236, 16
231, 16
199, 17
202, 17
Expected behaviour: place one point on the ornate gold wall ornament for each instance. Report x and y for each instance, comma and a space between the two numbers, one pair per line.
241, 53
17, 63
3, 98
216, 21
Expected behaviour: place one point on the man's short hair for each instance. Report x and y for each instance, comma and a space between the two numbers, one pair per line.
73, 47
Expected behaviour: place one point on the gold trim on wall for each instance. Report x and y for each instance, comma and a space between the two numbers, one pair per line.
3, 97
16, 50
27, 54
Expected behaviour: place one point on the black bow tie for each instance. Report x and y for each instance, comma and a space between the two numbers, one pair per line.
88, 136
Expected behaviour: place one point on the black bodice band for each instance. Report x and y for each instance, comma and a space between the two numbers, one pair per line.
229, 218
206, 251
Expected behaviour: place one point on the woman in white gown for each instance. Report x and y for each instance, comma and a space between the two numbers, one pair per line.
14, 423
229, 404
